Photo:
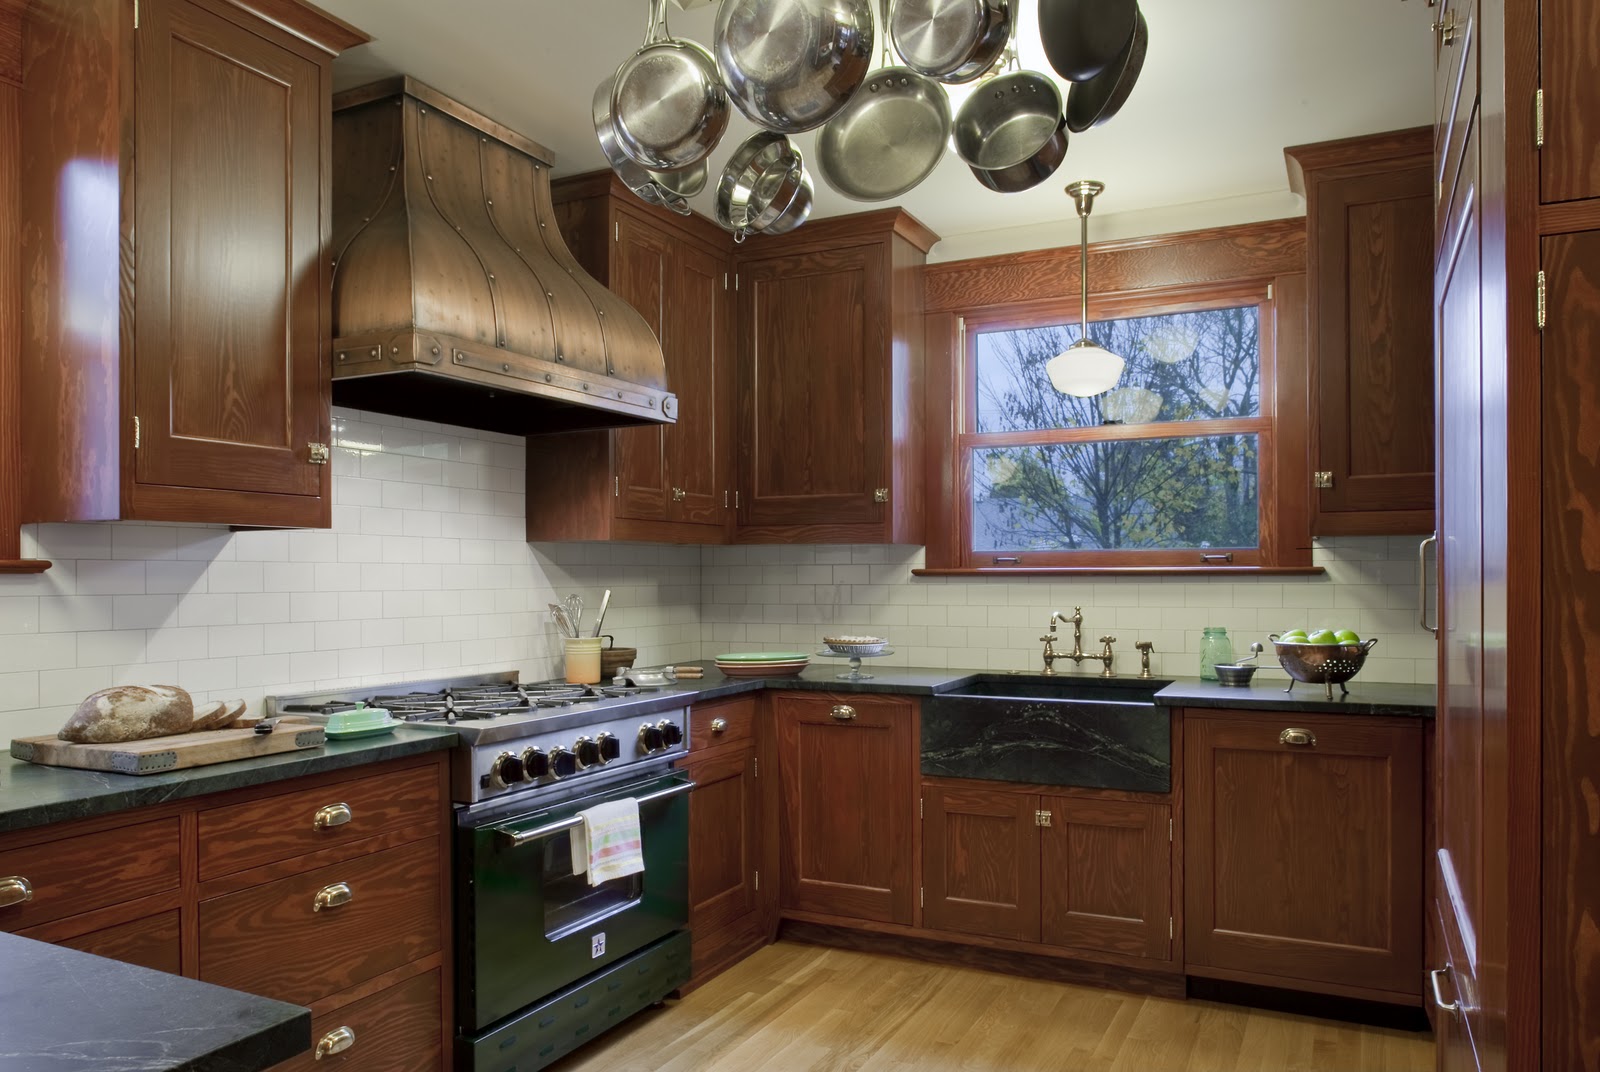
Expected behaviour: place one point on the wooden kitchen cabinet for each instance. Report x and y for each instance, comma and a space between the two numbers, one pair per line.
1079, 871
830, 380
1369, 251
1569, 159
847, 769
175, 201
663, 483
1303, 852
726, 920
225, 888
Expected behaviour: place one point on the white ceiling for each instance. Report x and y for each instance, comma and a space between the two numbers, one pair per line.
1226, 85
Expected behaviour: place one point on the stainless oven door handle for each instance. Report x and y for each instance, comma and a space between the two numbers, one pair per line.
522, 837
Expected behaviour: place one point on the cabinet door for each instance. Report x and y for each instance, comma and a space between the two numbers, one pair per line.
813, 382
640, 275
230, 284
698, 445
1373, 345
980, 862
1106, 874
1303, 860
1569, 61
848, 787
394, 1030
724, 852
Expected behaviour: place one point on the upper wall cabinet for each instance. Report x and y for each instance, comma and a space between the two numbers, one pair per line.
176, 279
1369, 222
830, 380
665, 483
1569, 159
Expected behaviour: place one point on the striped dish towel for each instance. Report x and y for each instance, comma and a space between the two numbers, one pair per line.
607, 845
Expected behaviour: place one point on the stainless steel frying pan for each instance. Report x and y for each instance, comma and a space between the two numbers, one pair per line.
889, 137
669, 189
954, 41
667, 103
1012, 132
791, 65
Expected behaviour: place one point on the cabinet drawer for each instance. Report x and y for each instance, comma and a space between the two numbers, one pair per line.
712, 725
153, 942
272, 940
241, 836
79, 874
394, 1030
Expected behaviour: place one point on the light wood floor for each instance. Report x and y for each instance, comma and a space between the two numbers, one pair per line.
799, 1008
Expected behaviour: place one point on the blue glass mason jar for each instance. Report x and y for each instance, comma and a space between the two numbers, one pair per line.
1215, 647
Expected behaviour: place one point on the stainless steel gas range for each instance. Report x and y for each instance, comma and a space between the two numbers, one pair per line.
545, 961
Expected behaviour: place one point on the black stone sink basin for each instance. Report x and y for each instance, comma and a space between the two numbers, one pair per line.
1095, 733
1039, 687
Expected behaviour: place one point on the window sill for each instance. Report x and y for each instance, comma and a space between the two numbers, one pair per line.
1123, 571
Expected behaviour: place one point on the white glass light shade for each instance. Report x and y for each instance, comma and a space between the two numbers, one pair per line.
1084, 370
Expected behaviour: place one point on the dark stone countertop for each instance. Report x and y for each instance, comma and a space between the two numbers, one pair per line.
1266, 694
35, 795
63, 1010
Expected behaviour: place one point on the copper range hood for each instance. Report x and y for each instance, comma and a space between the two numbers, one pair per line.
454, 297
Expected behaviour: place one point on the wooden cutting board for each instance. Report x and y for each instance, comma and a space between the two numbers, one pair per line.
169, 753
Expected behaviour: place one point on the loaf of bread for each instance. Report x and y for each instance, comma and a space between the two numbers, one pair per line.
130, 713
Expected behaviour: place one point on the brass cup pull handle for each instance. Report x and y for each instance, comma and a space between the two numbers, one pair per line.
1438, 995
1298, 737
331, 815
15, 890
338, 1040
719, 725
332, 896
842, 712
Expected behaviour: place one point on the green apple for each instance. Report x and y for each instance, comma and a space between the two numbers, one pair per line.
1322, 636
1347, 636
1293, 636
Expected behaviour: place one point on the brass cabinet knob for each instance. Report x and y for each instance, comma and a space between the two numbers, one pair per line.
332, 896
678, 495
719, 725
331, 815
842, 712
1298, 737
15, 890
338, 1040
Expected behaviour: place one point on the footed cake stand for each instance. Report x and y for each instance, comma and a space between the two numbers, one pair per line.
855, 673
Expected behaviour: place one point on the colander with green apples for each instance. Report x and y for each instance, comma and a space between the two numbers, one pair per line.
1326, 657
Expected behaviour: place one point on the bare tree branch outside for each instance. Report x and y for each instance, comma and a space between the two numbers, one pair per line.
1134, 494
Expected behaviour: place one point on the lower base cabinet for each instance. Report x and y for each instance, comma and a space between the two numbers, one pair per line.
725, 917
1079, 872
393, 1030
154, 942
1303, 850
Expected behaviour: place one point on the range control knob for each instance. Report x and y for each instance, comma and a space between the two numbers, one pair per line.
535, 764
507, 770
671, 734
650, 738
562, 762
587, 751
610, 747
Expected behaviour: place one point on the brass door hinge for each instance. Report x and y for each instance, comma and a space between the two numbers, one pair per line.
922, 897
616, 487
1322, 479
135, 14
922, 808
1539, 300
1538, 119
1169, 829
616, 231
136, 433
1041, 818
755, 766
1269, 291
758, 881
1170, 929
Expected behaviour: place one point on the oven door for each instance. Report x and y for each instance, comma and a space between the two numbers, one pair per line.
531, 926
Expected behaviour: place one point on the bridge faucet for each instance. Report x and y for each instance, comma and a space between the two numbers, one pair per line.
1076, 654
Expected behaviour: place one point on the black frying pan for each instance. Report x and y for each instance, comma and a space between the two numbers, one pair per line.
1093, 102
1084, 37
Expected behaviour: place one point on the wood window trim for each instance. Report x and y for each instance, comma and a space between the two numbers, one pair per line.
1284, 547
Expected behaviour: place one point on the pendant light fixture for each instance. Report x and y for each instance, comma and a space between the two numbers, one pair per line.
1084, 369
